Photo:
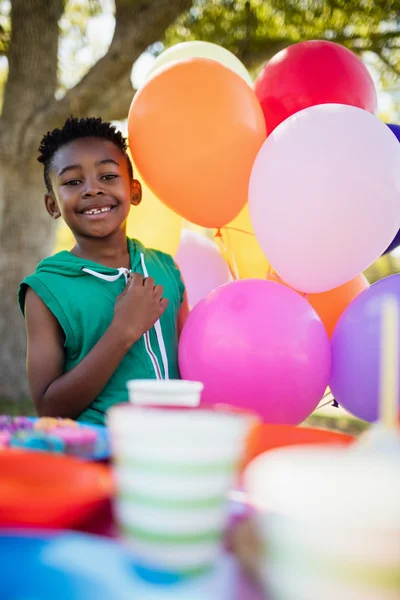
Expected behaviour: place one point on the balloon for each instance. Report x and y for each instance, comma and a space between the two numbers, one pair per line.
396, 241
310, 73
265, 437
331, 305
324, 195
201, 264
64, 238
394, 129
198, 49
194, 131
243, 248
259, 346
153, 223
356, 351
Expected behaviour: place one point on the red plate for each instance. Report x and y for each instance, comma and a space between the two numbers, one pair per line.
265, 437
48, 490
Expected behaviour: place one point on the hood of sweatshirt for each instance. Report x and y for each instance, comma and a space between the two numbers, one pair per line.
65, 263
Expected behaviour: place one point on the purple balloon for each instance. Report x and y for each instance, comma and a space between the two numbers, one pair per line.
395, 129
356, 351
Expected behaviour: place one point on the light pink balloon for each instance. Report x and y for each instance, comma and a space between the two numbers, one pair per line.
202, 266
324, 195
260, 346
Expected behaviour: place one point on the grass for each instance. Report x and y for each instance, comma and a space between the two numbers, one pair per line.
15, 408
333, 419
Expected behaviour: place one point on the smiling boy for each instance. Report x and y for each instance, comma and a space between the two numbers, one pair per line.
109, 310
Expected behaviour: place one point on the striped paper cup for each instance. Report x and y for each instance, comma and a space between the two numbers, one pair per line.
173, 471
330, 523
170, 392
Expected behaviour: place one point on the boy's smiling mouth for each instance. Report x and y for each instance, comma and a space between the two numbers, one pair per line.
97, 210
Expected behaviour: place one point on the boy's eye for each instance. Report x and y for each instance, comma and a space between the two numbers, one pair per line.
109, 176
73, 182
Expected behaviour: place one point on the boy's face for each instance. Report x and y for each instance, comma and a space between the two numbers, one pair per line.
92, 187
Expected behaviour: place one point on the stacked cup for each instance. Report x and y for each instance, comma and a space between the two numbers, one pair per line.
171, 392
330, 522
174, 468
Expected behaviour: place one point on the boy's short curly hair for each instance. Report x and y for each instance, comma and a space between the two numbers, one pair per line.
74, 129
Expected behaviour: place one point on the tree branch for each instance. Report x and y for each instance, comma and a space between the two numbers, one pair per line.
139, 23
114, 104
387, 62
32, 59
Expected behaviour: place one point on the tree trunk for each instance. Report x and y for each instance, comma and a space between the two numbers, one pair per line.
26, 236
30, 109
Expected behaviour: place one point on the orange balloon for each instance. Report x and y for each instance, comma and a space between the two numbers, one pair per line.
195, 129
331, 305
264, 437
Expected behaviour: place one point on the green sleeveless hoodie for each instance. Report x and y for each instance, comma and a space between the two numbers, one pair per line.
81, 294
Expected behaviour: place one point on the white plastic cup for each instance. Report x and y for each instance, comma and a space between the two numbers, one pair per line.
169, 392
174, 469
329, 519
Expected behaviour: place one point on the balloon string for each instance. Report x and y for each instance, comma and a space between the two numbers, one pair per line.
229, 256
273, 275
236, 229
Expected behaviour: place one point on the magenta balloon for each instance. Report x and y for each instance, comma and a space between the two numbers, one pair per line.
260, 346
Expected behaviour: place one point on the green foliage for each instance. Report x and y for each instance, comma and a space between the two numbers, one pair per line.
5, 27
254, 29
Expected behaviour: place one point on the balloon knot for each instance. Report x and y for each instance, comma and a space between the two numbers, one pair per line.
218, 233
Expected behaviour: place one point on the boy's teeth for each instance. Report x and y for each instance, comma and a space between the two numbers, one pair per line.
97, 211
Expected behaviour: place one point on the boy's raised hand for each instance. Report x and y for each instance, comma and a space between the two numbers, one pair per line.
138, 307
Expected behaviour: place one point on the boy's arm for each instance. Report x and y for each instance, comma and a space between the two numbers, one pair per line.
60, 394
183, 314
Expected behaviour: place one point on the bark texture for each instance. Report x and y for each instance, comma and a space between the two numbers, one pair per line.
29, 110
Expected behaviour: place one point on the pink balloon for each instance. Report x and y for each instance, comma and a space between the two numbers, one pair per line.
201, 264
324, 195
260, 346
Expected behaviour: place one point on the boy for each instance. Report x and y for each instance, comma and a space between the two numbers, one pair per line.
109, 310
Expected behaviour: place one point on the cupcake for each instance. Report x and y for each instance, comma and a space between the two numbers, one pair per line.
45, 424
78, 441
37, 440
5, 437
49, 423
22, 423
5, 423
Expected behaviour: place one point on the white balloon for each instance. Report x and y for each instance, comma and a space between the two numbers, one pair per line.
324, 195
201, 264
198, 49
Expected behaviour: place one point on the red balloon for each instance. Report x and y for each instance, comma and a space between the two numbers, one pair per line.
310, 73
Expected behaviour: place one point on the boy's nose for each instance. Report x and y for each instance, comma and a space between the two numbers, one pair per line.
92, 191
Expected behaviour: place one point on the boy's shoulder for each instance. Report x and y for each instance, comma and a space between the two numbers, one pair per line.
153, 253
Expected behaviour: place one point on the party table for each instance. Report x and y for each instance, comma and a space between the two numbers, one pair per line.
226, 582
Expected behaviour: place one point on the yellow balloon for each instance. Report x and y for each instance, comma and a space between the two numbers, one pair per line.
64, 238
152, 223
198, 49
242, 248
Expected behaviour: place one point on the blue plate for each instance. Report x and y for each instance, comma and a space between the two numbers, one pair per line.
77, 566
68, 566
103, 447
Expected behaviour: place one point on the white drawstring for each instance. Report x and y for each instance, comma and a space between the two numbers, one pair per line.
110, 278
157, 326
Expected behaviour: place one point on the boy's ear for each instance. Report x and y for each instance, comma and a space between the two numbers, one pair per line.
51, 205
136, 192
